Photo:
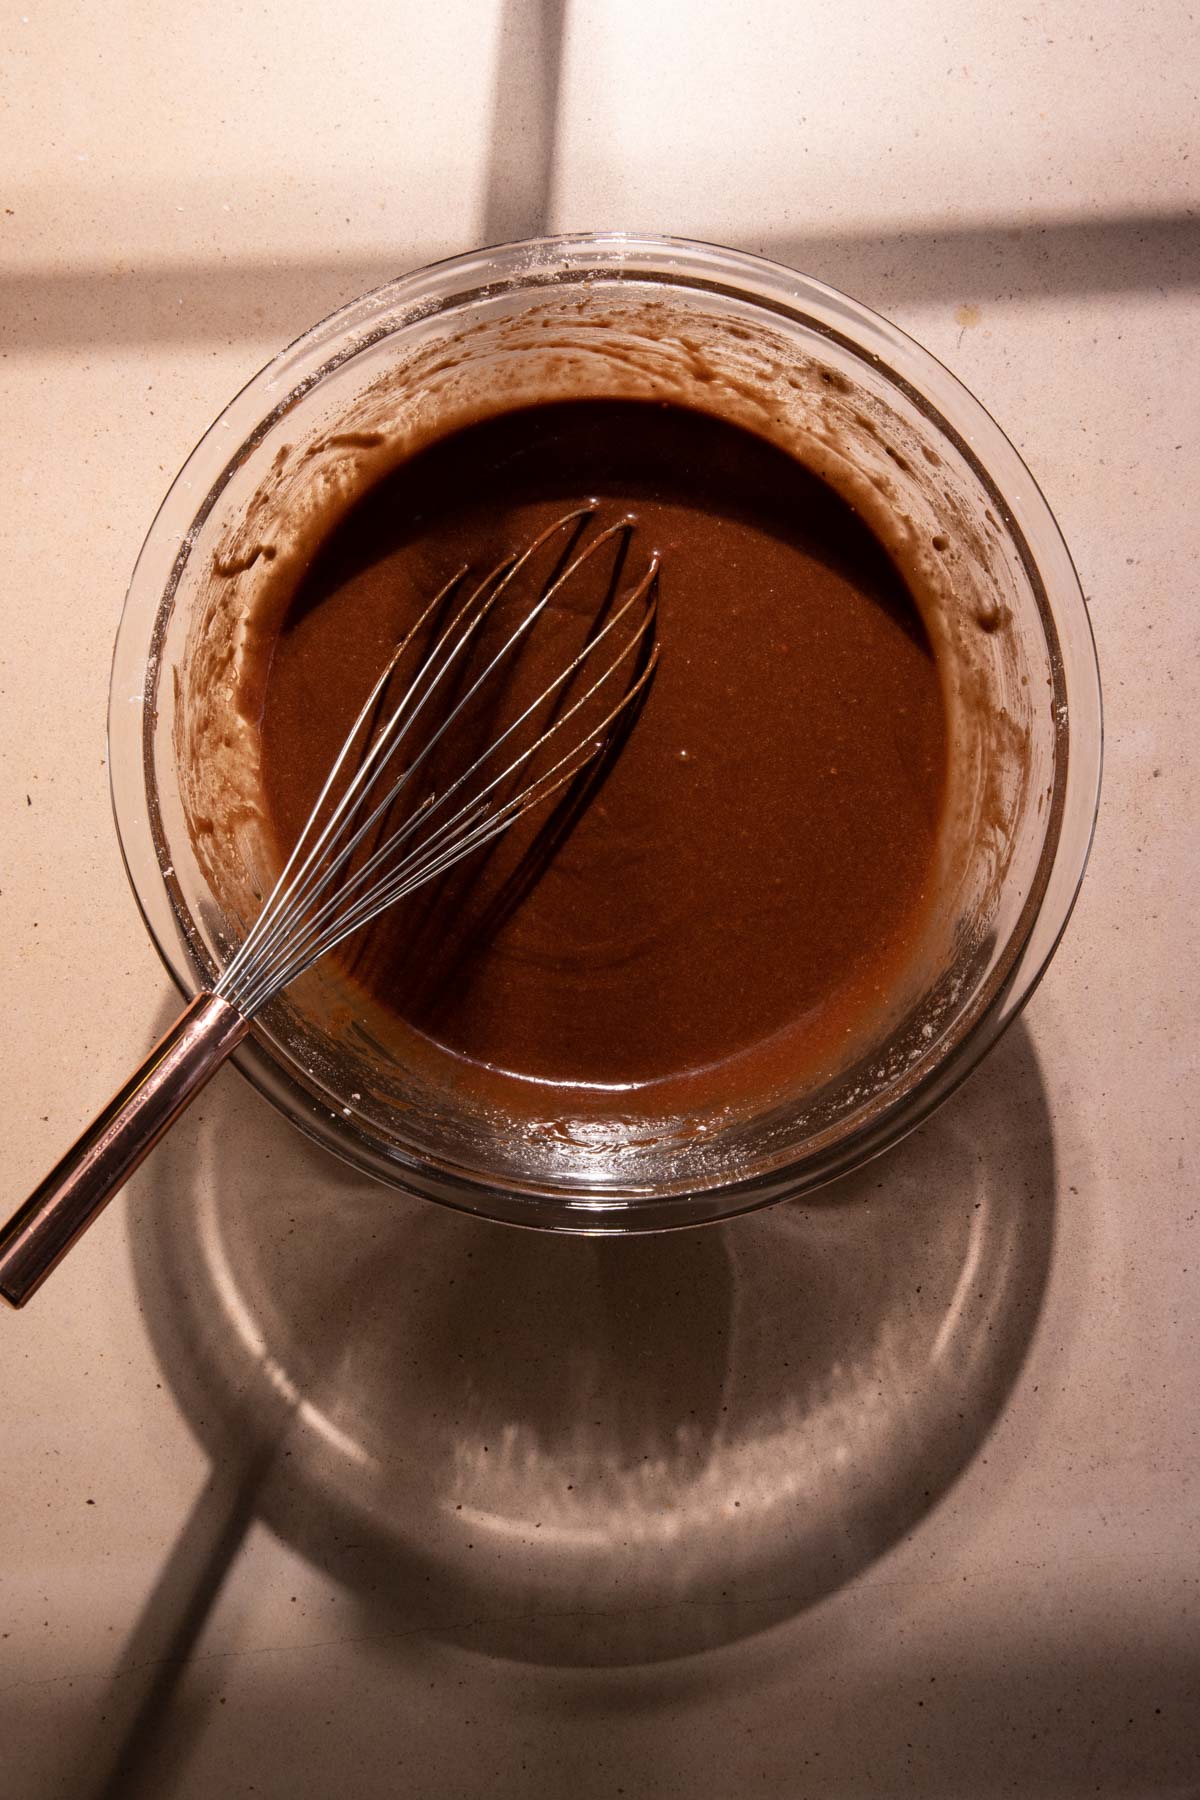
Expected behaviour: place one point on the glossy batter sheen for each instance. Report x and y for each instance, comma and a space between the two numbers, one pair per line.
747, 886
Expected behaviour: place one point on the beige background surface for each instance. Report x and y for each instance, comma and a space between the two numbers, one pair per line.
230, 1556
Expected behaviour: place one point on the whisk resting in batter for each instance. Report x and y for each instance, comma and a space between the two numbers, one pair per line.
395, 813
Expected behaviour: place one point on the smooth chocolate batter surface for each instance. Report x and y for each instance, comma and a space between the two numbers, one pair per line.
737, 894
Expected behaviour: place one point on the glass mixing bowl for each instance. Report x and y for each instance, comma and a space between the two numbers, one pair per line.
634, 315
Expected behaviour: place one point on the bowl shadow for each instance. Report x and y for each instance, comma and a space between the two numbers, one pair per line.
582, 1451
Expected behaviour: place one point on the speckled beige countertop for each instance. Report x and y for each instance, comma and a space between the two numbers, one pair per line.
231, 1556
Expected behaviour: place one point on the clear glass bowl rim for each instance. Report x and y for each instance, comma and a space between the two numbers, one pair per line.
679, 262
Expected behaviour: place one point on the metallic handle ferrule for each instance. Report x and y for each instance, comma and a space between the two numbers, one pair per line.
77, 1188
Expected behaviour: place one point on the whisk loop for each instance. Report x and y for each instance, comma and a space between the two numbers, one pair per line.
288, 936
337, 878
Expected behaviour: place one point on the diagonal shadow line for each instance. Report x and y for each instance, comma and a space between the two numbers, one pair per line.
139, 1702
49, 309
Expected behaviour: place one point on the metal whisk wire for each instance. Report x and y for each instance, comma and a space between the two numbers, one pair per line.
287, 938
322, 895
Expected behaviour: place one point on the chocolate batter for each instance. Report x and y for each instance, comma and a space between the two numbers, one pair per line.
741, 892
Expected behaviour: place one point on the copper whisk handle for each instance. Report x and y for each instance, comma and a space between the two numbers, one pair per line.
338, 877
117, 1140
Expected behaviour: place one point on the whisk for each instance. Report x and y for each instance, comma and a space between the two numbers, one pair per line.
370, 840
